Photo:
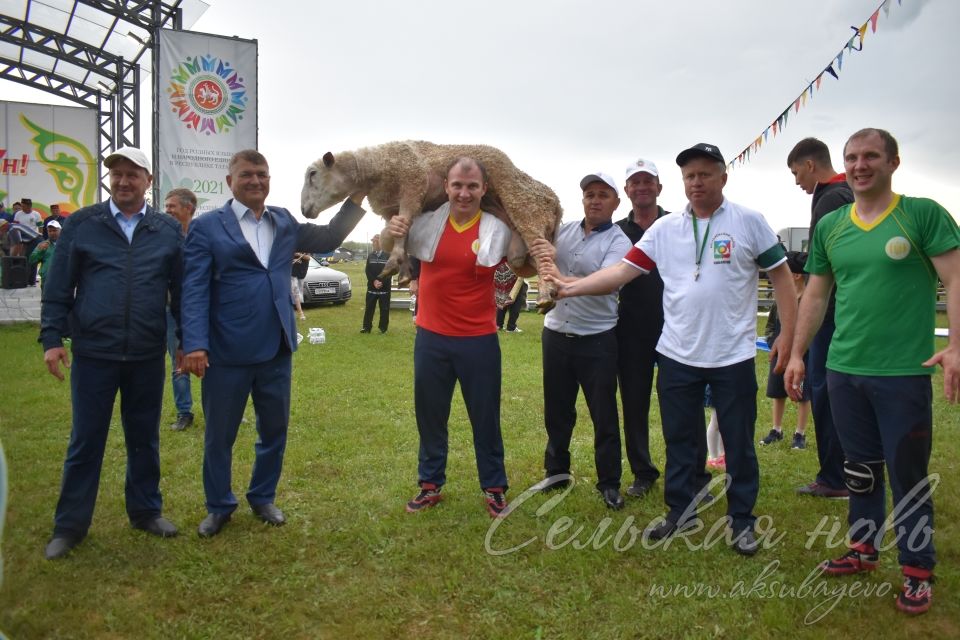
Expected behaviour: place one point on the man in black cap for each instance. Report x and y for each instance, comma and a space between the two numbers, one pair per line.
708, 256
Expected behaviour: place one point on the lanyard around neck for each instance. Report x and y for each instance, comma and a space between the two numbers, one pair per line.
698, 246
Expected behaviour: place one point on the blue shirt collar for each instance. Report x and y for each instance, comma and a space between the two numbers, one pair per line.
115, 210
599, 228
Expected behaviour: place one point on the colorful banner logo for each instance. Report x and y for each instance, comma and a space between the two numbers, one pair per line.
207, 94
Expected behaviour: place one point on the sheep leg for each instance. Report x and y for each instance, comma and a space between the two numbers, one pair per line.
398, 252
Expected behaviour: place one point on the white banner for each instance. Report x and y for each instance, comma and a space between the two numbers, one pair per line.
48, 154
208, 112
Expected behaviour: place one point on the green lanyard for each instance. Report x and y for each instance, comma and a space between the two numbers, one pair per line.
702, 245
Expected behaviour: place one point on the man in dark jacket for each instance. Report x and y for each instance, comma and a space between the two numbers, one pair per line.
378, 288
809, 162
116, 262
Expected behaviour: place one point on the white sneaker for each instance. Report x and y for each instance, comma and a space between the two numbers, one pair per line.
517, 330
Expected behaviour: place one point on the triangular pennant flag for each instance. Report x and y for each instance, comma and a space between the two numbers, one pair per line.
820, 78
831, 72
796, 105
863, 33
810, 89
849, 45
840, 62
774, 127
786, 114
766, 134
803, 98
873, 20
886, 8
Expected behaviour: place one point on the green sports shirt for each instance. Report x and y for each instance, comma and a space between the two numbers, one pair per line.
886, 284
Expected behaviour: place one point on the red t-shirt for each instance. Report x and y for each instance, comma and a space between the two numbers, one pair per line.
456, 294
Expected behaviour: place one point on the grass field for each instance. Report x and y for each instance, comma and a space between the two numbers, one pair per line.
352, 564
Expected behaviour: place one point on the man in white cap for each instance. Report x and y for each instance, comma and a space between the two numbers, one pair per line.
638, 328
43, 253
579, 340
709, 256
113, 307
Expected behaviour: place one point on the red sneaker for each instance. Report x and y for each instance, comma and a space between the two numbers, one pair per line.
496, 502
917, 592
859, 559
429, 496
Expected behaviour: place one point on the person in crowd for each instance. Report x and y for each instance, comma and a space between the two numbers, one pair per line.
378, 288
775, 389
44, 252
510, 295
809, 162
639, 325
180, 203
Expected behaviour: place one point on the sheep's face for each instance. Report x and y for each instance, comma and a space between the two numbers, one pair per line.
324, 185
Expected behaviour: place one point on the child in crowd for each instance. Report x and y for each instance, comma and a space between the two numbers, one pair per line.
775, 389
716, 459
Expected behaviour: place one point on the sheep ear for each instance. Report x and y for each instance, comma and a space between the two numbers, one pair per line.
328, 159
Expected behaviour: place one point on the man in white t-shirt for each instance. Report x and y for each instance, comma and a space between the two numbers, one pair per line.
709, 256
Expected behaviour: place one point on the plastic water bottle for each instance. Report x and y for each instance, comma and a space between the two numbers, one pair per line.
317, 335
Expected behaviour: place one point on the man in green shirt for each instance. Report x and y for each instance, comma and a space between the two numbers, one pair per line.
885, 252
43, 253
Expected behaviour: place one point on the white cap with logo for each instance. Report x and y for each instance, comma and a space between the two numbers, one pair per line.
599, 176
134, 155
642, 165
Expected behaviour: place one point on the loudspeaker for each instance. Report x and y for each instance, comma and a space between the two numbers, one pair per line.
14, 272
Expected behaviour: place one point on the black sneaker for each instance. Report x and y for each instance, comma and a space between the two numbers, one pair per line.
799, 441
184, 420
429, 496
773, 436
639, 488
916, 594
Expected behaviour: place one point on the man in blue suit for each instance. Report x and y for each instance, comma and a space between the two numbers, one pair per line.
239, 329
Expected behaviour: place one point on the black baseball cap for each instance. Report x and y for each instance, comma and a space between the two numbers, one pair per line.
700, 150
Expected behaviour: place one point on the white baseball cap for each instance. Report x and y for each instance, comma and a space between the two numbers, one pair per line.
54, 225
642, 165
599, 176
134, 155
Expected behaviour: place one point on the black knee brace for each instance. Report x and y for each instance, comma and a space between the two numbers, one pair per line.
863, 478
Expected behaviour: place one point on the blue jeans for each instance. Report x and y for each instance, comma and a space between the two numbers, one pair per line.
179, 381
889, 418
439, 362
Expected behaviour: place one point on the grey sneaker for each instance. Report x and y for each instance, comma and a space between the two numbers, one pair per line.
773, 436
799, 441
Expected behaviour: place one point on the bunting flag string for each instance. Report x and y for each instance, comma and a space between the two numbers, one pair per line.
834, 67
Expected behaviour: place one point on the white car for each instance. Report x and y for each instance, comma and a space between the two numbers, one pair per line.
324, 284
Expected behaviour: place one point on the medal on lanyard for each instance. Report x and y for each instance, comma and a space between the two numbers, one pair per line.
698, 246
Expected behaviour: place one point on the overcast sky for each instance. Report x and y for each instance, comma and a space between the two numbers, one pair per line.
570, 87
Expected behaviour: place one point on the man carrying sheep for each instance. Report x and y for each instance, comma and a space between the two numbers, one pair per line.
459, 247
